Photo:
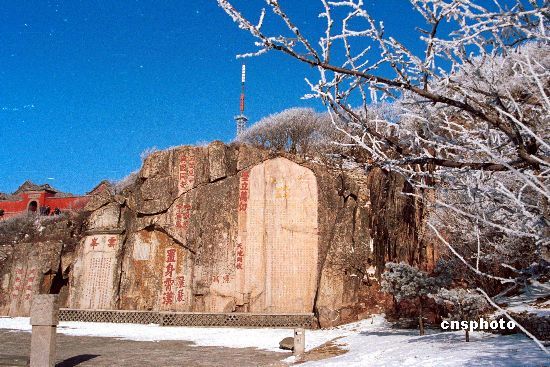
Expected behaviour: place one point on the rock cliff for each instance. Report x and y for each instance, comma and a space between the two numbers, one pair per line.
234, 228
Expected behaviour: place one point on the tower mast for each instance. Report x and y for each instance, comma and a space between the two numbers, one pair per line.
241, 119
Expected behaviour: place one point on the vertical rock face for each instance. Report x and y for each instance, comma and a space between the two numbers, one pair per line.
27, 275
230, 241
38, 254
238, 229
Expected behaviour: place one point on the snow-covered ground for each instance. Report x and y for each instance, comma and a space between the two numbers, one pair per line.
377, 344
529, 300
370, 342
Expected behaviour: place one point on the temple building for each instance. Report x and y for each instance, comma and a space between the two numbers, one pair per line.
40, 199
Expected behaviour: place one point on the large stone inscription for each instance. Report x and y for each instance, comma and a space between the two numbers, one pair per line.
278, 237
158, 275
96, 271
176, 280
186, 171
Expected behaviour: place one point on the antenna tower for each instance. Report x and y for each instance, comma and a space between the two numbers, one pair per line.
241, 119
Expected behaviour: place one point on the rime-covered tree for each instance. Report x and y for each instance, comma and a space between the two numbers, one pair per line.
291, 130
404, 281
462, 304
470, 127
297, 131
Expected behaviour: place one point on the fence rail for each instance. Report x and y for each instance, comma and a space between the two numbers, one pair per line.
236, 319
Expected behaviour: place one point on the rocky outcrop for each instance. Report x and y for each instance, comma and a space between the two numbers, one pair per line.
38, 255
238, 229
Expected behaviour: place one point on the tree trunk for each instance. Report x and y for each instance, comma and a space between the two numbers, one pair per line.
467, 335
420, 321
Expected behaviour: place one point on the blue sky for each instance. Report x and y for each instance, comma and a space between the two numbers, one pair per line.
88, 85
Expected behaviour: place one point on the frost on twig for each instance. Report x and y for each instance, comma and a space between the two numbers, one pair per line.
466, 119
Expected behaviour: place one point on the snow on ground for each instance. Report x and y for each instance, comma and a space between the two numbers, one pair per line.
529, 300
370, 342
267, 339
377, 344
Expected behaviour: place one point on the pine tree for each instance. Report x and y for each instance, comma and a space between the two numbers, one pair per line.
464, 305
407, 282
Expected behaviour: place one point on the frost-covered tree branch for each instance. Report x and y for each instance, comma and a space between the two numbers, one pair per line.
469, 115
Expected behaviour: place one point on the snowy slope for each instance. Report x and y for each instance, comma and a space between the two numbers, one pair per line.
370, 343
379, 345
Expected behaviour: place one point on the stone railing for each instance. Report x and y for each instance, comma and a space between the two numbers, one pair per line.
252, 320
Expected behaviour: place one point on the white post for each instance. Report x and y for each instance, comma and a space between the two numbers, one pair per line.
299, 342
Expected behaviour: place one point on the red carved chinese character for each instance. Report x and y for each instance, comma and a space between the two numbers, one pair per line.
168, 298
181, 281
242, 207
244, 175
216, 279
181, 295
112, 242
244, 196
240, 252
239, 266
226, 278
169, 270
94, 243
168, 282
171, 255
244, 185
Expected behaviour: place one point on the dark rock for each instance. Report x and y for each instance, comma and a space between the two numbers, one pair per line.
287, 343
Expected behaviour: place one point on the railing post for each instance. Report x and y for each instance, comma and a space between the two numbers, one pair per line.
299, 342
44, 320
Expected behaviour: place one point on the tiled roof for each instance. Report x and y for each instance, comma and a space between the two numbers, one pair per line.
31, 186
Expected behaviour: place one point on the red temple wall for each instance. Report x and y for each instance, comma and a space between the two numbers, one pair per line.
16, 207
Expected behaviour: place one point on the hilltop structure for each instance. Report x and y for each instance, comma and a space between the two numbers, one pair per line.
41, 199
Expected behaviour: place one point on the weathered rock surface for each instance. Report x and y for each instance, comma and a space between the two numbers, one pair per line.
38, 262
238, 229
287, 343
